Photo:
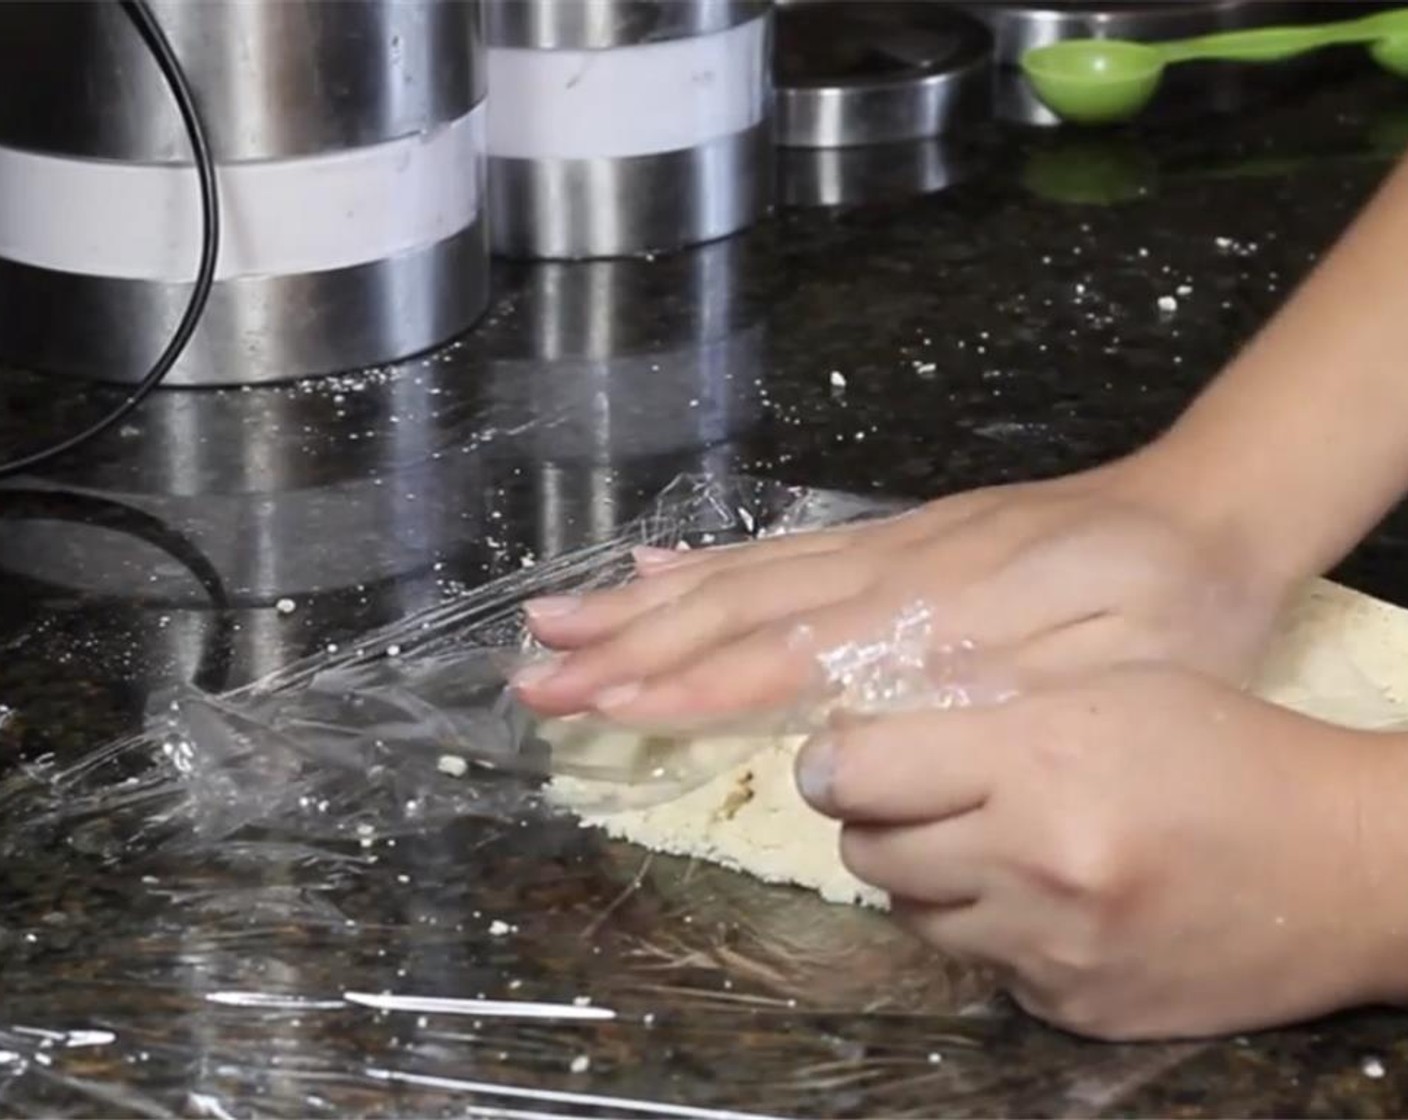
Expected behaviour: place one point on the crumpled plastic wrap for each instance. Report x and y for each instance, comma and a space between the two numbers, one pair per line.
284, 900
414, 725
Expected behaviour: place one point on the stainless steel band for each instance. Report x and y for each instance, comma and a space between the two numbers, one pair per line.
859, 176
277, 80
883, 113
256, 330
566, 208
601, 24
852, 73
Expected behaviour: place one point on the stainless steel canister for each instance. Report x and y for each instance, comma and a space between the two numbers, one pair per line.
350, 139
625, 127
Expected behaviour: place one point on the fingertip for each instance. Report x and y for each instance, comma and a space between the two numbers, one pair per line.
649, 560
570, 622
551, 619
533, 686
549, 607
532, 677
552, 687
553, 635
815, 772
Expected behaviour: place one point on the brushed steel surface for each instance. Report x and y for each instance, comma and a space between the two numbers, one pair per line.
853, 72
859, 176
276, 78
602, 24
255, 329
568, 209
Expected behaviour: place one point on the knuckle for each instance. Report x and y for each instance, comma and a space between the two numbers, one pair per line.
1079, 863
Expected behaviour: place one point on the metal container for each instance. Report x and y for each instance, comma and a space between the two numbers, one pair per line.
852, 73
878, 102
350, 140
626, 127
873, 174
372, 495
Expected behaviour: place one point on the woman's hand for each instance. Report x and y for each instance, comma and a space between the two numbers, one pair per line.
1148, 854
1113, 566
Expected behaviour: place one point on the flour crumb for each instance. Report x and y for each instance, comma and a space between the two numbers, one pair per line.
580, 1064
453, 765
285, 606
1373, 1067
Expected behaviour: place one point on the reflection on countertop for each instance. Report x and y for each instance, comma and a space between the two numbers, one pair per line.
1053, 309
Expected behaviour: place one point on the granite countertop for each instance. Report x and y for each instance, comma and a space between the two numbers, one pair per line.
1056, 305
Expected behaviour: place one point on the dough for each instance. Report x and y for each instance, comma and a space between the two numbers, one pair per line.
1338, 656
1341, 657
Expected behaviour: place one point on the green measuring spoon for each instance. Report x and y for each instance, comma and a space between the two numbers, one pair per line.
1104, 81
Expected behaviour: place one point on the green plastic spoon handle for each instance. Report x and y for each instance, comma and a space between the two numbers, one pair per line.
1272, 44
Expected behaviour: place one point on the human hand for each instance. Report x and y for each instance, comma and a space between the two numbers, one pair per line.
1052, 577
1146, 854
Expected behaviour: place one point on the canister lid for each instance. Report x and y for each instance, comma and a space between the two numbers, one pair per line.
855, 72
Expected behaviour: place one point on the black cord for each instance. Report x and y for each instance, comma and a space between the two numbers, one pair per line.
139, 14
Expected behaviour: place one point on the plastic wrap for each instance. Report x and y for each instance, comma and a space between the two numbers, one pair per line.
414, 725
283, 900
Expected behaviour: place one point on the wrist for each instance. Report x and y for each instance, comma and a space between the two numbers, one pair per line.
1292, 480
1237, 523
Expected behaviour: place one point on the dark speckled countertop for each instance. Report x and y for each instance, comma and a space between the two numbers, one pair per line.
1054, 307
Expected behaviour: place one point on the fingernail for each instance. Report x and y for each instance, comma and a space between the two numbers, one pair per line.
618, 696
652, 558
532, 676
816, 767
551, 606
